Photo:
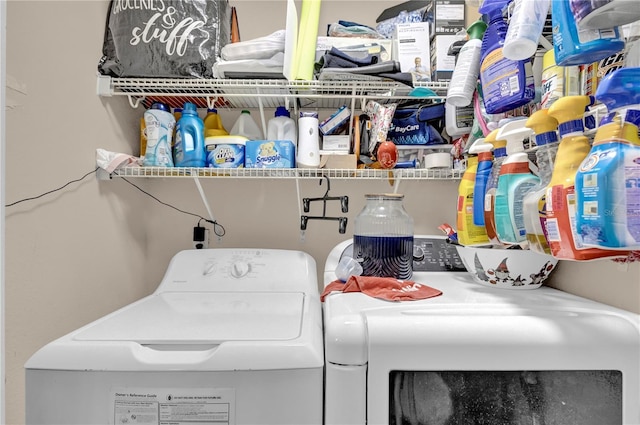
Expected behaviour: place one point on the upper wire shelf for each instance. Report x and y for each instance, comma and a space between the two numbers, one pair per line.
292, 173
243, 93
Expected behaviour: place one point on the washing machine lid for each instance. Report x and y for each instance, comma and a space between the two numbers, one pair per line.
200, 317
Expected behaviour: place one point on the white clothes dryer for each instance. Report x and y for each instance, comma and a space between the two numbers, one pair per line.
230, 336
476, 355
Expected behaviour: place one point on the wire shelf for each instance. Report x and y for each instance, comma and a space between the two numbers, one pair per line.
290, 173
242, 93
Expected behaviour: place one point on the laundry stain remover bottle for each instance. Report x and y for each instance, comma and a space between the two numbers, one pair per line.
506, 84
534, 205
607, 183
563, 239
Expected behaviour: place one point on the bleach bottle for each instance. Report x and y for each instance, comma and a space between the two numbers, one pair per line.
213, 124
499, 155
159, 123
282, 126
245, 126
608, 194
525, 28
575, 46
564, 242
534, 206
514, 182
506, 84
189, 148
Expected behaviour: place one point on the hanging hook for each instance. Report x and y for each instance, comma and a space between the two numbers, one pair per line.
326, 193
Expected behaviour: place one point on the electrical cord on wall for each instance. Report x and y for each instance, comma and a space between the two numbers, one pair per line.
218, 229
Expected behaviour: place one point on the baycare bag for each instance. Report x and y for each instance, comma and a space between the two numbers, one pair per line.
419, 125
164, 38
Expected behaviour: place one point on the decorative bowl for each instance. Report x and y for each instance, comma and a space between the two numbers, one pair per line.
507, 268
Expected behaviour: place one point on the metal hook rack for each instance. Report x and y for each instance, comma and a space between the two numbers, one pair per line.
344, 206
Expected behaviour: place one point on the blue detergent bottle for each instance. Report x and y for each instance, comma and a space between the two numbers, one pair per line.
506, 84
573, 45
189, 149
608, 180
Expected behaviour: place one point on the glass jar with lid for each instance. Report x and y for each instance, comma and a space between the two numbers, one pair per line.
383, 237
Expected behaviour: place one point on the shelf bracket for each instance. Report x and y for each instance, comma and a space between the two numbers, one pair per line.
135, 101
211, 102
204, 198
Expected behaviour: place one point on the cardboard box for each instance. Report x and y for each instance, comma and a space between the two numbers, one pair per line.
338, 161
443, 64
411, 47
449, 16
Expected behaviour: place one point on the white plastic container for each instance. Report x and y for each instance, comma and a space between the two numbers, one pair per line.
282, 126
465, 74
225, 151
159, 123
308, 154
246, 126
458, 119
525, 28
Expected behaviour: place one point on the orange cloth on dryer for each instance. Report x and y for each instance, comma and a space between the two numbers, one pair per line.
386, 288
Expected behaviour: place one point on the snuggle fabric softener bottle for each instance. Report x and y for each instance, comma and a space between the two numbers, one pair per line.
189, 147
506, 84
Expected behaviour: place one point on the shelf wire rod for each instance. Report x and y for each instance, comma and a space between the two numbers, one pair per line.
204, 198
262, 117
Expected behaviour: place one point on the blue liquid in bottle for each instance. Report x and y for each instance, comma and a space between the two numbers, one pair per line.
385, 256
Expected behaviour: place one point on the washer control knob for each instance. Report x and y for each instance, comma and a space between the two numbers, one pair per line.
240, 269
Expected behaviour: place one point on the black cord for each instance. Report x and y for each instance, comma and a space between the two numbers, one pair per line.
218, 229
51, 191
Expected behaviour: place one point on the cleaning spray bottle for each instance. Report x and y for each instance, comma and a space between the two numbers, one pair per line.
499, 155
465, 74
514, 181
561, 198
506, 84
485, 163
468, 232
575, 46
608, 196
545, 128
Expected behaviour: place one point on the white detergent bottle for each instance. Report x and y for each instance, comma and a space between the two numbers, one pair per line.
607, 190
246, 126
514, 181
282, 126
545, 128
465, 74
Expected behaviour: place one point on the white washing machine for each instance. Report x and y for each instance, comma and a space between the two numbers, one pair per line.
477, 355
231, 336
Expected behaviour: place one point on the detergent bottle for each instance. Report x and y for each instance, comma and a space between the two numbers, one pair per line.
608, 196
576, 46
282, 126
213, 124
468, 232
545, 128
465, 73
499, 155
525, 28
189, 150
485, 163
246, 126
514, 182
605, 13
561, 198
506, 84
159, 125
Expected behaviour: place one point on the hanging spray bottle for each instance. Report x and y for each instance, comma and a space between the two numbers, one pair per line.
515, 180
499, 155
607, 190
465, 74
468, 232
534, 205
574, 147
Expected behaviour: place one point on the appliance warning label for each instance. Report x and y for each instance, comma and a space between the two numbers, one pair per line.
173, 406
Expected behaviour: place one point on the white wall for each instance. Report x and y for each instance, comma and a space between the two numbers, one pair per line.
78, 254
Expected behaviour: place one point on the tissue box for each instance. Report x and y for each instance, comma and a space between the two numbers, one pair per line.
270, 154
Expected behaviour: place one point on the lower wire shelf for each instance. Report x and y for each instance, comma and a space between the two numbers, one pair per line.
290, 173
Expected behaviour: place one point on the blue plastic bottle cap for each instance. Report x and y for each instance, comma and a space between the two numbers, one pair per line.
189, 108
160, 106
281, 111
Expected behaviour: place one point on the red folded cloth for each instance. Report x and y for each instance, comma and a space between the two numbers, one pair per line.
386, 288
